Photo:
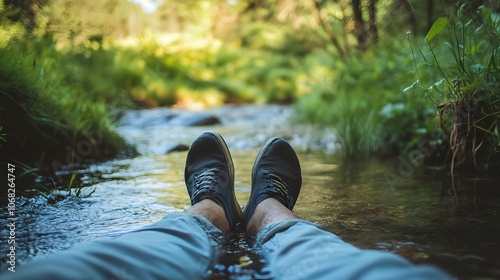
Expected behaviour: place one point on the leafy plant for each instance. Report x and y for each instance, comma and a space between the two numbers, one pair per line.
467, 90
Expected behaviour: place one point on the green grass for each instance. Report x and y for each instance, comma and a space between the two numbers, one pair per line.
54, 194
42, 112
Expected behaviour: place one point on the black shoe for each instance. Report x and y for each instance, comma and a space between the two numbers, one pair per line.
276, 173
209, 174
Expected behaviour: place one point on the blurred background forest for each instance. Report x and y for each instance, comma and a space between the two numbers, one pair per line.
386, 75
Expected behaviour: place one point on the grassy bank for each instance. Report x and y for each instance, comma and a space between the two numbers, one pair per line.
47, 118
51, 115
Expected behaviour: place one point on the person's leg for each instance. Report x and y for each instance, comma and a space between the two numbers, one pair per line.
180, 246
210, 211
299, 249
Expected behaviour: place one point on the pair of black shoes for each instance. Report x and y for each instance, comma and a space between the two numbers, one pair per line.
210, 174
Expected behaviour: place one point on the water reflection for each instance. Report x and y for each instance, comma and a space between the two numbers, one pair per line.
239, 258
416, 218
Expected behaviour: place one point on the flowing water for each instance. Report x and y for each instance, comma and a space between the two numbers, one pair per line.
415, 217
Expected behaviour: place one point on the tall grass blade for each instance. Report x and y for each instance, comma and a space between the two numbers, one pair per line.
436, 28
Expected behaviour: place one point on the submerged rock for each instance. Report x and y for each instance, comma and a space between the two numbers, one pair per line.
176, 148
195, 119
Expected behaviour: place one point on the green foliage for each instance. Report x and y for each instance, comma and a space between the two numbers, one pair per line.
465, 51
362, 98
42, 111
80, 62
207, 73
438, 26
270, 77
465, 56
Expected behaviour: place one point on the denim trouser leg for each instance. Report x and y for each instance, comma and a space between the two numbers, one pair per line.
179, 246
299, 249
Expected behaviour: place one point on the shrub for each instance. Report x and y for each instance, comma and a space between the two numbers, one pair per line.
362, 98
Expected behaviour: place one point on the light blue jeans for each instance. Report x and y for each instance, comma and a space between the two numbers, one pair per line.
182, 246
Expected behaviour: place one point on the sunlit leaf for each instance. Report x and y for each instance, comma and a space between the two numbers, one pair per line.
474, 48
478, 146
411, 86
436, 28
436, 84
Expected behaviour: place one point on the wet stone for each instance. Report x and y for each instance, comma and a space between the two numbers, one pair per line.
195, 119
168, 148
176, 148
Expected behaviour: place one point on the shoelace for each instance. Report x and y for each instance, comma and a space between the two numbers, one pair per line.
277, 186
207, 181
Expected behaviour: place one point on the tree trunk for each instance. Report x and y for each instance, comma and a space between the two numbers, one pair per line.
359, 24
328, 29
430, 14
373, 23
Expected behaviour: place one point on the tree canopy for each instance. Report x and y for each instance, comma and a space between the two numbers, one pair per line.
288, 24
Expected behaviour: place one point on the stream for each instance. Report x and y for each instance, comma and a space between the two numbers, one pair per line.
415, 216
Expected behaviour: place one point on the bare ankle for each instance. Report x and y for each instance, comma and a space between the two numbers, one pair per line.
268, 211
212, 212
